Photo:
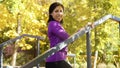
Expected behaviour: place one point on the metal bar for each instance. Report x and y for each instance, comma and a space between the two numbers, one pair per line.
38, 51
32, 36
101, 20
115, 18
10, 41
88, 50
109, 16
119, 29
1, 57
19, 37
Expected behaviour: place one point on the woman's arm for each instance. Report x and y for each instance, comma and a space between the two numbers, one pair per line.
59, 31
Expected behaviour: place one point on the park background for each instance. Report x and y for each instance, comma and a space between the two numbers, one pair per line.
19, 17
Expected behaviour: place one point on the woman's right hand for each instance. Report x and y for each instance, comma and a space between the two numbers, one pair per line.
90, 24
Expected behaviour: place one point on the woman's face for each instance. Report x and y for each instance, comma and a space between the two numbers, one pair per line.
57, 13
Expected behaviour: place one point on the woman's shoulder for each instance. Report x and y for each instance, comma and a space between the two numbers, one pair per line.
53, 23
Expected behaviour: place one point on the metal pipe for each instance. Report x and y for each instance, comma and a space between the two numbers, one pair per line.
38, 50
119, 29
1, 57
88, 50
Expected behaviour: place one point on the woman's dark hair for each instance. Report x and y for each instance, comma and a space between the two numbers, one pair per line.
51, 8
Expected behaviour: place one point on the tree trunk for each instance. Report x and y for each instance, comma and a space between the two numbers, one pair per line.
95, 61
95, 34
14, 56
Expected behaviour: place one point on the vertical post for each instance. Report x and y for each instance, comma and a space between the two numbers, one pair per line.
74, 61
1, 57
88, 50
119, 29
38, 50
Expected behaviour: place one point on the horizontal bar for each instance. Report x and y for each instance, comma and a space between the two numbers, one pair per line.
19, 37
33, 36
9, 41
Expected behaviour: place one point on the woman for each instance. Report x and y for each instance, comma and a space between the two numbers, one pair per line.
57, 34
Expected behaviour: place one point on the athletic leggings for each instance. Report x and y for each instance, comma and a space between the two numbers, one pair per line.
58, 64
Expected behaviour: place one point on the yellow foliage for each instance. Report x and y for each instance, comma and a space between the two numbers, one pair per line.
34, 14
11, 34
42, 43
28, 47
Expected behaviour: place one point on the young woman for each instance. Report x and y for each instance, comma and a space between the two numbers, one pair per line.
56, 34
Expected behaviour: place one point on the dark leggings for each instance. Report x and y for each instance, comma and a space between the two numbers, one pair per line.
57, 64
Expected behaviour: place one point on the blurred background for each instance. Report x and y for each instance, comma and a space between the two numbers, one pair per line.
19, 17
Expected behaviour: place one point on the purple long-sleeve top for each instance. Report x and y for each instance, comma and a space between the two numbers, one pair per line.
56, 34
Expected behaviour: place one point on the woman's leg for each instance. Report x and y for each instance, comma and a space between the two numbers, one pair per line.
50, 65
58, 64
63, 64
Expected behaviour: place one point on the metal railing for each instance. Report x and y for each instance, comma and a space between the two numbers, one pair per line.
119, 29
13, 40
63, 44
72, 38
